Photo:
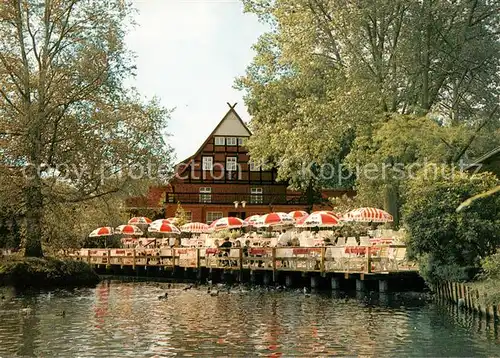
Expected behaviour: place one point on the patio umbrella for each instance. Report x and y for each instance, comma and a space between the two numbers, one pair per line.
102, 231
275, 219
197, 228
329, 212
319, 219
298, 214
227, 223
252, 220
161, 221
140, 220
172, 220
129, 230
164, 229
368, 215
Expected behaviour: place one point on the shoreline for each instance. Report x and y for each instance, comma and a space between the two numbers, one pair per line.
47, 272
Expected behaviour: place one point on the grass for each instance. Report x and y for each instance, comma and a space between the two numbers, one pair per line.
26, 272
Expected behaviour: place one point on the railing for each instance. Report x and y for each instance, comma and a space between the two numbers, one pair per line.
355, 259
230, 198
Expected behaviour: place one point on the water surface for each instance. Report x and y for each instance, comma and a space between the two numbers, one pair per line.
118, 319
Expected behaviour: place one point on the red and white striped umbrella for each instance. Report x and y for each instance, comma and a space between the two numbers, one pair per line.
102, 231
164, 229
252, 220
197, 228
227, 223
161, 221
140, 220
329, 212
319, 220
298, 214
368, 215
129, 230
275, 219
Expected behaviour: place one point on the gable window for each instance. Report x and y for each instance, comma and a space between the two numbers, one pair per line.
205, 195
231, 141
256, 196
242, 141
208, 163
220, 140
231, 164
254, 167
213, 215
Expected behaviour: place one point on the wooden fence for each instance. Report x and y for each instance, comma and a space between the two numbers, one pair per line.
466, 296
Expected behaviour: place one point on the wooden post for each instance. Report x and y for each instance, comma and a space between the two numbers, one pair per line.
133, 259
109, 257
173, 259
368, 268
240, 265
88, 256
322, 262
198, 258
274, 263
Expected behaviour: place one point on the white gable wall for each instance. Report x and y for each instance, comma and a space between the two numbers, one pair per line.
231, 126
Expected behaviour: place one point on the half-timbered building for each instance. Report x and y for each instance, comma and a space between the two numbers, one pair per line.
220, 180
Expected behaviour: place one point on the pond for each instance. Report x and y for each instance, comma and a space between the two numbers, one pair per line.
118, 319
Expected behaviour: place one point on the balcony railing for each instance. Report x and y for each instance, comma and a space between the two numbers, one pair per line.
230, 198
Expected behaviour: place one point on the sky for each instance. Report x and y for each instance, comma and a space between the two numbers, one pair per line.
188, 53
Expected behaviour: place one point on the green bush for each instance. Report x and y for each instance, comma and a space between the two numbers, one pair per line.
447, 244
491, 266
45, 272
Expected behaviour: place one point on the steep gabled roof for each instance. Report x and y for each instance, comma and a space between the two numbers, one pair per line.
226, 117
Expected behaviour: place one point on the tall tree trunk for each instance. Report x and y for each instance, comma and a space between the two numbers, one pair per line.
33, 244
33, 191
391, 201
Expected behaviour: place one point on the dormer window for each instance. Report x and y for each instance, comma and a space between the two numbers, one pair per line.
220, 141
231, 141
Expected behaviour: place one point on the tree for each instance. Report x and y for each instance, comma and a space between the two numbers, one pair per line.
331, 74
447, 242
180, 215
67, 119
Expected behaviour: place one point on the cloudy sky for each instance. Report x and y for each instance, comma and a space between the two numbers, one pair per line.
188, 54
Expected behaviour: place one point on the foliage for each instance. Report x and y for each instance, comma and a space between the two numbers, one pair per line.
222, 234
45, 272
379, 82
69, 125
180, 215
441, 237
491, 266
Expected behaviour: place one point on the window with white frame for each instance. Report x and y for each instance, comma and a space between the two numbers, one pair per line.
231, 164
205, 195
242, 141
220, 141
213, 215
231, 141
256, 196
254, 166
208, 163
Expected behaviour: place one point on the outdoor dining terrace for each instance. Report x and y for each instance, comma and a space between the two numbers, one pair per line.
381, 258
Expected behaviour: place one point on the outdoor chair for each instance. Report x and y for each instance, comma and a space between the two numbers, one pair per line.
351, 241
364, 241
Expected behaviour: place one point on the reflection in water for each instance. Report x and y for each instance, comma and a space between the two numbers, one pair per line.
126, 319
